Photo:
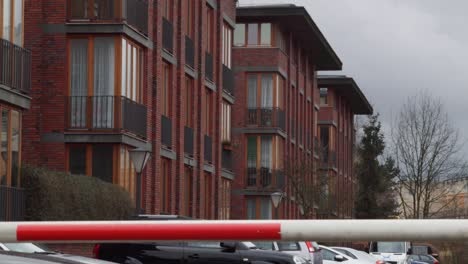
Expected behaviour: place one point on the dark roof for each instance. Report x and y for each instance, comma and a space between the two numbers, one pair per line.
348, 87
296, 20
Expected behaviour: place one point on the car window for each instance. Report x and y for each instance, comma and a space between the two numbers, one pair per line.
23, 247
347, 253
288, 246
267, 245
413, 257
316, 246
426, 258
204, 244
328, 255
388, 247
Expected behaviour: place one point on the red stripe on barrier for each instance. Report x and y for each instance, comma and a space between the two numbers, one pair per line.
121, 232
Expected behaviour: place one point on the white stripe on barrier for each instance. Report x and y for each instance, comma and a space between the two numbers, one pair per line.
289, 230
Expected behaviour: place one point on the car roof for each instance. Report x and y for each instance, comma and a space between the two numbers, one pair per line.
9, 257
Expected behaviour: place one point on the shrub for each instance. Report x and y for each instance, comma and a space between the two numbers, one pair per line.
59, 196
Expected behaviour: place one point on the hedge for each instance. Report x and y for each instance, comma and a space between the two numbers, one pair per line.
59, 196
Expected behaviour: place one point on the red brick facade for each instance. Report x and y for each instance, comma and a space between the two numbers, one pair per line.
59, 128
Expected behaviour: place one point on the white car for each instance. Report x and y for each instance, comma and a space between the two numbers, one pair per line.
362, 256
391, 252
331, 256
33, 248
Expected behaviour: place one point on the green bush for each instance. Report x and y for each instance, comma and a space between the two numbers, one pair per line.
59, 196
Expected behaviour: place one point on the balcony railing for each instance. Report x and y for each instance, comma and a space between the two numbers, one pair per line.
188, 140
168, 36
266, 117
208, 149
12, 203
132, 12
166, 131
114, 113
15, 71
189, 52
226, 159
209, 66
264, 178
228, 80
328, 158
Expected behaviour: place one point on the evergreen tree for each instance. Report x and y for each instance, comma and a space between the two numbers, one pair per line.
376, 197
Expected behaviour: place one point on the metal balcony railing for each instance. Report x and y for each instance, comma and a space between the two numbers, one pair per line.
114, 113
168, 36
208, 143
12, 203
15, 71
266, 117
189, 52
226, 159
228, 80
166, 131
209, 66
132, 12
264, 178
188, 140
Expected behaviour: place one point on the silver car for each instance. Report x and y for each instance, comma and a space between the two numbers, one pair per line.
308, 250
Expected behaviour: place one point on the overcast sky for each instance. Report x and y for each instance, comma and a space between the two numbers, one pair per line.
393, 48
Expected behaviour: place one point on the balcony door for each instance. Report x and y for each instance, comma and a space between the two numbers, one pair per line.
103, 90
259, 160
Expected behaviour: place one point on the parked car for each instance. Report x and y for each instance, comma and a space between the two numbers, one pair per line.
308, 250
331, 256
192, 253
390, 252
421, 259
356, 254
42, 250
8, 257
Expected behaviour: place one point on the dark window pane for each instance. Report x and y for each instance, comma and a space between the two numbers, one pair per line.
4, 149
15, 147
77, 160
252, 34
102, 162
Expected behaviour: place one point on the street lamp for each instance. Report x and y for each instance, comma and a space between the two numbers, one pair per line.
139, 158
276, 198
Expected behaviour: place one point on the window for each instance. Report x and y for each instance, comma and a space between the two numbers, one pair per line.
324, 96
95, 160
224, 210
12, 22
262, 147
103, 162
188, 191
165, 186
167, 8
127, 175
328, 255
166, 85
325, 137
259, 208
264, 90
208, 195
281, 40
10, 147
190, 18
251, 208
288, 246
225, 122
77, 159
209, 112
132, 62
227, 45
204, 244
104, 10
256, 34
189, 102
209, 35
239, 35
265, 208
265, 245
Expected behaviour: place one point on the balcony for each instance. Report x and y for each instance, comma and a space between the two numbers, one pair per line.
208, 149
15, 69
209, 66
189, 52
12, 203
166, 131
168, 36
188, 141
264, 178
106, 113
328, 158
228, 80
266, 117
132, 12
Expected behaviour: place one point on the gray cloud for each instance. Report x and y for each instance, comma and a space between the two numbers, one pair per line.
393, 48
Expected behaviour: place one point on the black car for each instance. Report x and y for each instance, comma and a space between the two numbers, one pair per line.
28, 258
192, 253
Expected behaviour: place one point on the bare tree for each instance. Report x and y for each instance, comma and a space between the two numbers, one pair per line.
427, 150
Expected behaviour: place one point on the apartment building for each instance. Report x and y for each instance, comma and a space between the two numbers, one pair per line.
340, 100
277, 52
110, 76
15, 87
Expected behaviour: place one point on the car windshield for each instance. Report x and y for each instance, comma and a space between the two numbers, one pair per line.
288, 246
250, 245
24, 247
347, 253
389, 247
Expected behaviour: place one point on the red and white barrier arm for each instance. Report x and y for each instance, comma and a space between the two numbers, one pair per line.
245, 230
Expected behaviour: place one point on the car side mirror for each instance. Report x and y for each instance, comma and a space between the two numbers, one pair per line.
410, 251
228, 245
339, 258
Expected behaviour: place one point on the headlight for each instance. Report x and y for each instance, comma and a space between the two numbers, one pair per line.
299, 260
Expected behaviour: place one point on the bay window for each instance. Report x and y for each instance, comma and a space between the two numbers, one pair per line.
225, 122
12, 22
253, 34
227, 45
